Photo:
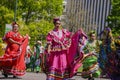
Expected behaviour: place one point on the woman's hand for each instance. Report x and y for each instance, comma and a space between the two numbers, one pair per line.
25, 36
19, 43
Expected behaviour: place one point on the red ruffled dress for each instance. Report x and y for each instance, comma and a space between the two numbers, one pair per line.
12, 62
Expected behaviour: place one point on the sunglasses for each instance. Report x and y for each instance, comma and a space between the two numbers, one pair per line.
58, 23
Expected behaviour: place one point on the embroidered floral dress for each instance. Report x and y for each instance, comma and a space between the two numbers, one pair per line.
12, 62
90, 62
109, 58
57, 62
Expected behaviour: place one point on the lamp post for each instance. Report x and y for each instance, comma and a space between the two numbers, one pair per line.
15, 10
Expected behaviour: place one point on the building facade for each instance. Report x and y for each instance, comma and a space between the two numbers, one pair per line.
86, 14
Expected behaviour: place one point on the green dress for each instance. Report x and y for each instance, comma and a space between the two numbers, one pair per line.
90, 62
37, 57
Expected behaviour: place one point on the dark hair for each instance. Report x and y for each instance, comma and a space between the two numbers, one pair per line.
91, 32
14, 23
55, 20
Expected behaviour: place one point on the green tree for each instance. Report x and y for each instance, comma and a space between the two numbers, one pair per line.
114, 17
37, 30
6, 16
34, 16
33, 10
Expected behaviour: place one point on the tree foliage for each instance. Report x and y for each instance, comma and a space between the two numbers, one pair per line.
32, 10
114, 17
34, 16
6, 16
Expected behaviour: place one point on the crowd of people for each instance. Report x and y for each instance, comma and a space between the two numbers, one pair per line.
33, 58
65, 52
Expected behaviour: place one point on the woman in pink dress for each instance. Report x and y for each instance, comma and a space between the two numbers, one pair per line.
58, 43
12, 62
60, 53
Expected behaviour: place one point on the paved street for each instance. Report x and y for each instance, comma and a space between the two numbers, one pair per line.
40, 76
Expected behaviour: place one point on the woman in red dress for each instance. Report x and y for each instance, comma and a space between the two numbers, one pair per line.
12, 62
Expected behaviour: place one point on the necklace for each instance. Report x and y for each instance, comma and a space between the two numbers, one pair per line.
58, 33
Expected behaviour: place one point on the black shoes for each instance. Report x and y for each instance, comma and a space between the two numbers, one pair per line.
37, 71
14, 76
5, 75
91, 78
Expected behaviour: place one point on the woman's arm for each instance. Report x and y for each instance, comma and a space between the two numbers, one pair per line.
13, 41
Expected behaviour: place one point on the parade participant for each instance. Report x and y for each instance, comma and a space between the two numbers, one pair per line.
38, 51
58, 41
28, 55
60, 53
90, 61
12, 62
109, 59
